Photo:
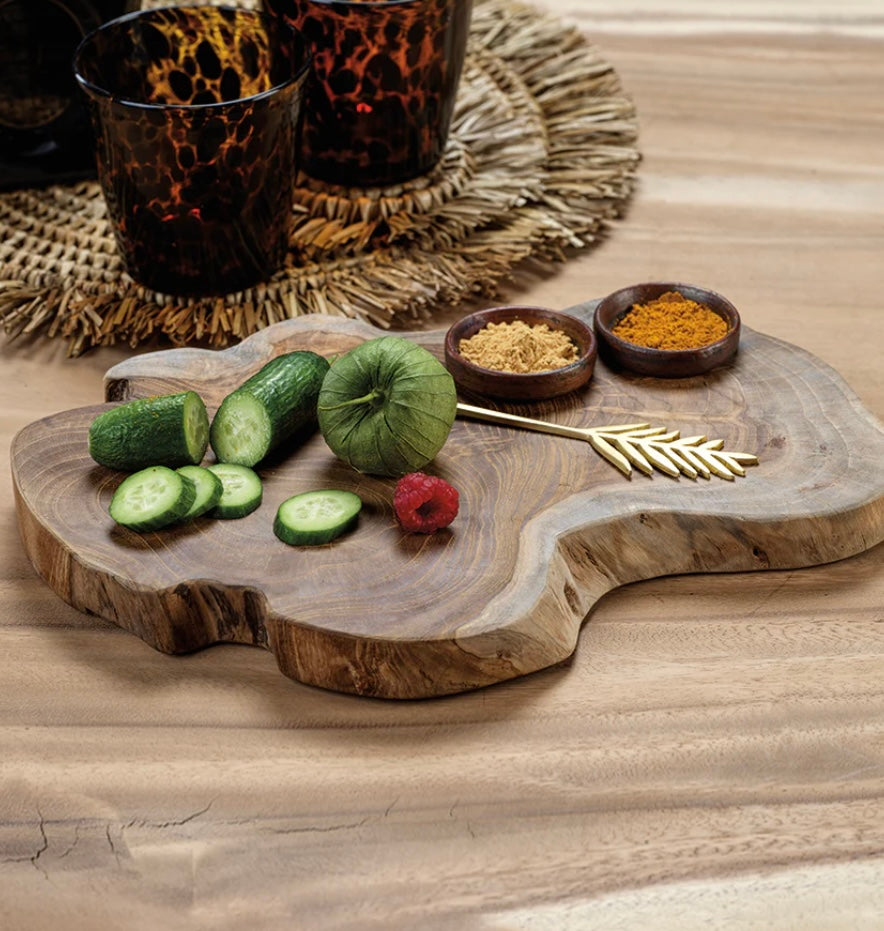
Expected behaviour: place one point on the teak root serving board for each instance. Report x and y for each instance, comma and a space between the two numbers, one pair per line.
546, 526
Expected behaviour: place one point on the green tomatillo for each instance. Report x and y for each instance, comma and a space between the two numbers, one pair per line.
387, 406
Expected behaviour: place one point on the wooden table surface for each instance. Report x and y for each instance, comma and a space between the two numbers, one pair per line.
713, 757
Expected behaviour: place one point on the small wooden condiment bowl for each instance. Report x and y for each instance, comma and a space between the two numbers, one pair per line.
513, 385
664, 363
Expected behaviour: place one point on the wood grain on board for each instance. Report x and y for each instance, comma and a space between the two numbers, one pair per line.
546, 527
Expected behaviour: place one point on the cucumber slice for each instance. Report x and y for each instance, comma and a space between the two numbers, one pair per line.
152, 498
316, 517
169, 429
241, 491
208, 490
268, 408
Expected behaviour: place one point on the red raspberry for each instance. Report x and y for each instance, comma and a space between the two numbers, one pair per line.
424, 503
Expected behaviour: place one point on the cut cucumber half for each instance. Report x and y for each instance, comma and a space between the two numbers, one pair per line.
316, 517
208, 490
241, 491
268, 409
169, 429
152, 498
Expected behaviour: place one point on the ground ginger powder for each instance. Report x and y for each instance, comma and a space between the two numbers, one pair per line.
519, 347
671, 321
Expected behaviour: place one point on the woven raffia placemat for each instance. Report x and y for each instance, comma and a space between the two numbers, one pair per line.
542, 154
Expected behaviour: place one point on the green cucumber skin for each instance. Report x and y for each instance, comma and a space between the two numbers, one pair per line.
310, 537
287, 388
145, 432
171, 515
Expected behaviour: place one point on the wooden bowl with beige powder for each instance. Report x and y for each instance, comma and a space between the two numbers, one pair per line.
520, 353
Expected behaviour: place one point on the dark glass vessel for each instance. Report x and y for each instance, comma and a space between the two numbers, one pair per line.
385, 75
44, 130
195, 114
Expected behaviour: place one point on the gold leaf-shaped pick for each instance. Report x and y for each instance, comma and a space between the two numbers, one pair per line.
636, 445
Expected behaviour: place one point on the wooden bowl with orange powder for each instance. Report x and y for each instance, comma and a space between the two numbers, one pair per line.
520, 353
667, 330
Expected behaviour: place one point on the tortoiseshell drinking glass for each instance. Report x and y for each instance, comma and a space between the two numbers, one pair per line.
195, 112
385, 77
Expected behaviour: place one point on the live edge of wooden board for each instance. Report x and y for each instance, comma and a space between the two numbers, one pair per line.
546, 526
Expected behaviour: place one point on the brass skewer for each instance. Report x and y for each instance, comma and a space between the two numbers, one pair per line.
634, 444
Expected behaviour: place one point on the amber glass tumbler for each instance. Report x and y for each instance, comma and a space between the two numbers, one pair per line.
195, 112
385, 78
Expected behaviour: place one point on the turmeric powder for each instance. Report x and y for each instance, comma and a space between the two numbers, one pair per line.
519, 347
671, 321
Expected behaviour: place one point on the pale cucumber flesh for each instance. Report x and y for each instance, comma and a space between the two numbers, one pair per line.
241, 493
316, 517
196, 426
152, 498
241, 430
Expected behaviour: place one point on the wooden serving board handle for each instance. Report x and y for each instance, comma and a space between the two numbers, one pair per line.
546, 526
